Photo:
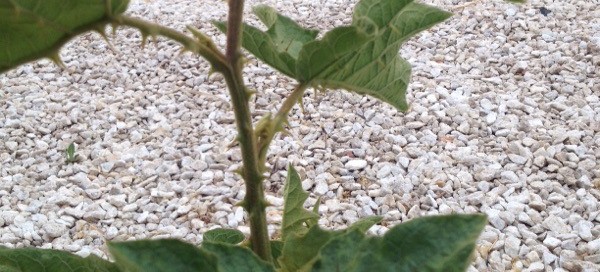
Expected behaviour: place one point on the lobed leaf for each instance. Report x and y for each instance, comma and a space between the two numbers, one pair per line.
373, 68
231, 258
295, 216
174, 255
365, 224
34, 29
437, 243
50, 260
300, 250
161, 255
226, 236
276, 249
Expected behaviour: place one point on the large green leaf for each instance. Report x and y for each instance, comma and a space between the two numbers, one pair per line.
276, 249
373, 68
365, 224
231, 258
34, 29
280, 45
295, 216
437, 243
49, 260
162, 255
300, 251
226, 236
177, 256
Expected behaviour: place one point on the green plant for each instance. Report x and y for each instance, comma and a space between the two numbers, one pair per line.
71, 156
361, 57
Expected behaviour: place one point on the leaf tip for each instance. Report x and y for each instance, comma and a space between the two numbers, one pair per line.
55, 57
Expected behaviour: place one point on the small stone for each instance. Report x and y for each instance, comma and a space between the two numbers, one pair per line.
491, 118
93, 193
511, 11
537, 205
548, 257
465, 177
495, 220
317, 145
95, 215
403, 161
81, 179
595, 258
184, 209
551, 242
532, 256
414, 125
517, 159
511, 246
107, 166
130, 207
118, 200
11, 145
536, 267
321, 188
356, 164
593, 246
54, 229
485, 175
556, 224
75, 212
136, 136
111, 232
584, 230
539, 161
510, 176
384, 171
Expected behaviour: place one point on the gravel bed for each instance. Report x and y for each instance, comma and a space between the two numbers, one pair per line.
505, 120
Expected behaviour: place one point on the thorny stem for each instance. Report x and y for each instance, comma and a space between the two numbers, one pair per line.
205, 49
254, 201
230, 65
278, 120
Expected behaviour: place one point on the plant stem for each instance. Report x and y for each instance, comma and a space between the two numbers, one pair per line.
206, 50
278, 120
254, 201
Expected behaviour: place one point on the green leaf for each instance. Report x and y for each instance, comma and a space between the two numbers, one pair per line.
71, 150
321, 55
437, 243
300, 250
161, 255
363, 57
365, 224
276, 249
227, 236
295, 216
34, 29
50, 260
231, 258
280, 45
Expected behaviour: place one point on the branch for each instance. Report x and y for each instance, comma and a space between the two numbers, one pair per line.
203, 47
275, 125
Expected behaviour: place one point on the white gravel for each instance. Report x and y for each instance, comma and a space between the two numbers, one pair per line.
505, 120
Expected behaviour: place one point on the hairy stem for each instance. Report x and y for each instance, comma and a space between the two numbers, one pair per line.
278, 120
204, 48
254, 201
